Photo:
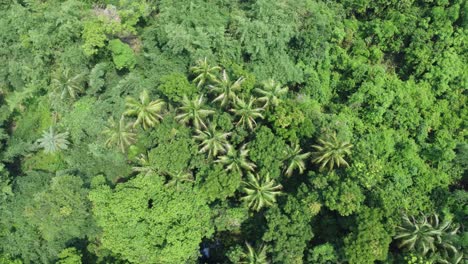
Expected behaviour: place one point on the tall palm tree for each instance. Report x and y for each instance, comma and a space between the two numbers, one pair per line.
247, 112
52, 141
427, 234
331, 152
271, 93
192, 110
205, 72
67, 84
295, 159
119, 134
254, 256
213, 141
148, 112
226, 89
260, 191
236, 160
178, 178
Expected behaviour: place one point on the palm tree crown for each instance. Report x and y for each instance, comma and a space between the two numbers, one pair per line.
260, 191
205, 72
226, 89
236, 160
120, 134
247, 112
295, 159
213, 141
67, 85
429, 235
271, 92
147, 112
331, 152
52, 141
178, 178
254, 256
192, 110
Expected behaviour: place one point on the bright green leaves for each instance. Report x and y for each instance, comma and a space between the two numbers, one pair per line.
369, 241
226, 90
169, 225
122, 54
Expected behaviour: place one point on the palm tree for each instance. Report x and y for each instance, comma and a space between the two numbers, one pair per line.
271, 92
147, 112
237, 160
120, 134
52, 141
67, 85
193, 110
261, 191
144, 165
213, 141
247, 113
205, 72
331, 152
295, 159
428, 235
178, 178
226, 89
254, 256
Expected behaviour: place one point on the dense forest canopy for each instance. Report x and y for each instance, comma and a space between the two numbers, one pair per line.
248, 131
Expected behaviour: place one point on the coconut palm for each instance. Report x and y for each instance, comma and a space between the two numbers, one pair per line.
119, 134
148, 112
212, 141
225, 89
295, 159
52, 141
178, 178
271, 93
193, 110
331, 152
67, 84
260, 191
254, 256
428, 235
236, 160
144, 165
205, 72
247, 112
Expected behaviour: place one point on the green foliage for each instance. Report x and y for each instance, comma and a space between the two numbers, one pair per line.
322, 254
122, 54
175, 86
169, 224
226, 93
370, 239
70, 256
288, 230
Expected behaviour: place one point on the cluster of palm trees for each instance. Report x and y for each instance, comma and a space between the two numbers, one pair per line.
260, 191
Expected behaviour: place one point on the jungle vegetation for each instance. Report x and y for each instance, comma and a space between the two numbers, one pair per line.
245, 131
